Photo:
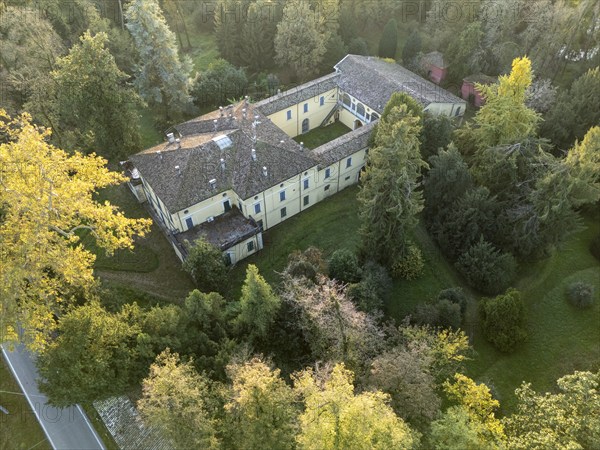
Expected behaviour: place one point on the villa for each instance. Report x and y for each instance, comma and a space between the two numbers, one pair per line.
233, 173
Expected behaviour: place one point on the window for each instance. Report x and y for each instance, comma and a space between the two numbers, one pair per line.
360, 109
457, 111
283, 212
306, 183
327, 187
260, 224
223, 141
282, 196
347, 178
306, 107
257, 208
321, 101
251, 246
289, 115
327, 172
227, 259
349, 162
305, 126
189, 222
346, 100
374, 116
306, 200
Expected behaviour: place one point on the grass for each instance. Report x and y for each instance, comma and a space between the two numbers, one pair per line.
562, 338
204, 49
19, 429
322, 135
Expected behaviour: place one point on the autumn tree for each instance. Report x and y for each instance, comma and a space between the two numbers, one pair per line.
335, 417
299, 44
456, 430
176, 400
258, 306
480, 406
96, 109
162, 78
389, 198
568, 418
48, 196
504, 118
261, 410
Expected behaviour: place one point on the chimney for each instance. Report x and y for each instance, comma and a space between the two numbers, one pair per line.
159, 153
178, 169
221, 110
244, 113
170, 138
253, 152
178, 142
213, 183
216, 123
222, 164
301, 144
264, 170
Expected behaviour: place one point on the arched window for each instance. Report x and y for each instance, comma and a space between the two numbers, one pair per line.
374, 116
360, 109
346, 100
457, 111
305, 126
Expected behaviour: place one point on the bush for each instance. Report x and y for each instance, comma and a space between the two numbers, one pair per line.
307, 264
206, 265
370, 294
343, 266
595, 247
358, 46
486, 268
449, 315
503, 320
581, 294
426, 314
411, 266
454, 295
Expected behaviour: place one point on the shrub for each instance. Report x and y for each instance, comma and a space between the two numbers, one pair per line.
206, 265
305, 264
426, 314
343, 266
595, 247
503, 320
486, 268
454, 295
581, 294
449, 315
358, 46
410, 266
370, 294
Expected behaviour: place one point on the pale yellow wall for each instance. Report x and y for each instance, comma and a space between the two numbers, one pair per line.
200, 212
316, 113
240, 250
349, 117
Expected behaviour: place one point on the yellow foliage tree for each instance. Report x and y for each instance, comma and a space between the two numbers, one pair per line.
46, 196
477, 400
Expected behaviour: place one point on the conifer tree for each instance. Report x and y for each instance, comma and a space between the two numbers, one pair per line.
162, 77
388, 44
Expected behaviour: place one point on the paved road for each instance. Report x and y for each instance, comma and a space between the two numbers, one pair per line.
67, 428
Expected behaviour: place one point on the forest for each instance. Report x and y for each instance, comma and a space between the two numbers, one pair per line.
304, 347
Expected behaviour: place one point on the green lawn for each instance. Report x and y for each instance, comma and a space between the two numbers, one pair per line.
204, 49
322, 135
19, 429
562, 338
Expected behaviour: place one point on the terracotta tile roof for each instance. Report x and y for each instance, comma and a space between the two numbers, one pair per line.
199, 159
373, 81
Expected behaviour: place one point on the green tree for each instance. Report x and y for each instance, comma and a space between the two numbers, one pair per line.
456, 430
583, 162
228, 27
574, 111
412, 47
446, 19
257, 35
436, 134
465, 53
504, 118
93, 356
258, 305
299, 42
486, 268
358, 46
96, 108
176, 400
389, 199
206, 265
388, 44
218, 84
162, 77
336, 418
503, 320
344, 266
261, 410
568, 418
48, 197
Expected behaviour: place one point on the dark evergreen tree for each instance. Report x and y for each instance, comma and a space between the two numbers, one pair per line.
388, 44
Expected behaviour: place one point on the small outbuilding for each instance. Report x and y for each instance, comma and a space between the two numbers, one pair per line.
435, 66
470, 93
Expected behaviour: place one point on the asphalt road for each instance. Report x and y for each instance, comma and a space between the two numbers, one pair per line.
66, 428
